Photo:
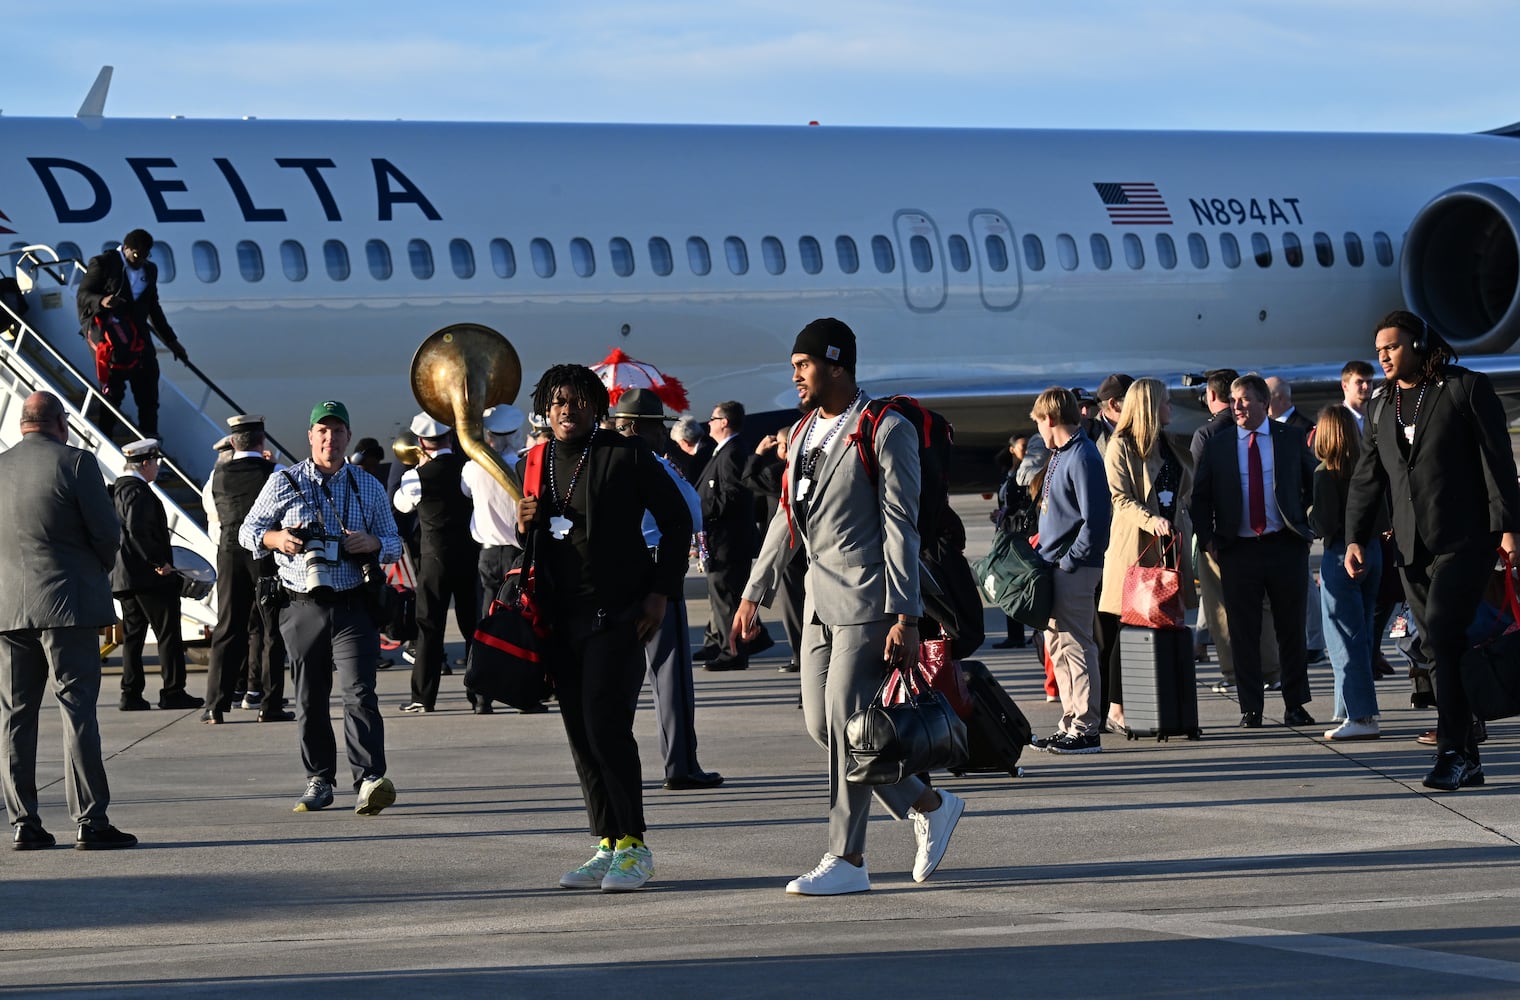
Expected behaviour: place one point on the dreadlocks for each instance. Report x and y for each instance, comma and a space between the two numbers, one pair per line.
1438, 353
574, 380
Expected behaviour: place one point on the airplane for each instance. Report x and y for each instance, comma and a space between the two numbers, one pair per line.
306, 260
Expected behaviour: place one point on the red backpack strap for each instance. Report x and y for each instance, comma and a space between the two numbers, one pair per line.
533, 469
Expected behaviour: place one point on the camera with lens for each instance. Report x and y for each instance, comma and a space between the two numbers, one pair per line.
320, 553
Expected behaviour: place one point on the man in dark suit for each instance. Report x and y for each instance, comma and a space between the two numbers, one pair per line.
1436, 446
1250, 512
585, 494
728, 518
123, 285
58, 539
1281, 409
145, 583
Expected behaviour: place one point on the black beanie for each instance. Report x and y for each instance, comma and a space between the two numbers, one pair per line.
828, 339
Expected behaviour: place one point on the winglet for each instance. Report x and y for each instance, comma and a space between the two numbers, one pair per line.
94, 105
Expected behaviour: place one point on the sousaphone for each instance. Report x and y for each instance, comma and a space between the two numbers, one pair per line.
458, 373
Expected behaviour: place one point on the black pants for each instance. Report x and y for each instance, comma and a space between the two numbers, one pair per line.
1443, 593
725, 585
442, 577
323, 639
266, 658
1273, 566
159, 610
144, 382
1108, 659
237, 611
597, 679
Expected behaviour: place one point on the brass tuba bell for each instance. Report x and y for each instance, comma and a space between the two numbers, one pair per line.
406, 449
458, 373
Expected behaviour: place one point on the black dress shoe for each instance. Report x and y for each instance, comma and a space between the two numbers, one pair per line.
1296, 716
483, 707
103, 838
135, 703
726, 663
789, 667
212, 716
31, 837
706, 653
277, 715
537, 708
1250, 720
179, 699
702, 779
1452, 771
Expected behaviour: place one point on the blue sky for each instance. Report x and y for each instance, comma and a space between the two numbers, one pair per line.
1397, 65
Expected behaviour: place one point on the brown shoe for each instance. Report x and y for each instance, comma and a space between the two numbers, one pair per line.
1427, 738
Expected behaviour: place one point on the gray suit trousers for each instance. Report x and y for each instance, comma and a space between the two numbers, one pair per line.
668, 658
73, 657
842, 666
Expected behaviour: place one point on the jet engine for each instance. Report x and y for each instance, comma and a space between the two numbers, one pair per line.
1461, 265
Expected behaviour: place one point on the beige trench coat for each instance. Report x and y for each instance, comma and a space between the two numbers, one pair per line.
1131, 483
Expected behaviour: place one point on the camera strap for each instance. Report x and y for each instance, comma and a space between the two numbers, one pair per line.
347, 497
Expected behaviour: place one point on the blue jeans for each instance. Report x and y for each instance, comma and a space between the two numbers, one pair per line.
1350, 636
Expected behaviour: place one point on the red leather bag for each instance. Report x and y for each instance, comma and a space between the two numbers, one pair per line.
944, 675
1153, 594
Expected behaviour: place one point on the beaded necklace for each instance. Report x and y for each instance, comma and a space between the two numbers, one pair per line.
1398, 408
810, 457
562, 505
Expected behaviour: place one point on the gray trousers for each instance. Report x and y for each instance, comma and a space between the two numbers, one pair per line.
323, 640
72, 655
668, 658
842, 666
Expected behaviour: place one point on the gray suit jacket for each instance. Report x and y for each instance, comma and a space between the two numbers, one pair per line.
58, 538
861, 537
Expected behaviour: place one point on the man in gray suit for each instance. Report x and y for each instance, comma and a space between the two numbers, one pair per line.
861, 611
58, 539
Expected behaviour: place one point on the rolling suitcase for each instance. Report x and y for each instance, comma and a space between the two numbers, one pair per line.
997, 732
1160, 686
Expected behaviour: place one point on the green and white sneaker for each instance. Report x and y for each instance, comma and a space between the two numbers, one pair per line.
631, 868
590, 874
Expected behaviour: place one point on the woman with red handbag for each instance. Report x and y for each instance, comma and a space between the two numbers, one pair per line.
1150, 477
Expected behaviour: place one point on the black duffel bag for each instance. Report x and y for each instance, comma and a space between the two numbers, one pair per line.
887, 743
507, 660
1491, 669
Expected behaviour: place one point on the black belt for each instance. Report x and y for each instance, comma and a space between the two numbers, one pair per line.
353, 597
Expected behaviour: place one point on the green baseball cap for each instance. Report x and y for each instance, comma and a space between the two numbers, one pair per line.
329, 408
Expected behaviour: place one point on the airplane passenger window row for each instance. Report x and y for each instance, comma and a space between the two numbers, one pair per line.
1198, 251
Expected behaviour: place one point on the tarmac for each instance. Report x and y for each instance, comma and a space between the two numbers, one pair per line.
1250, 863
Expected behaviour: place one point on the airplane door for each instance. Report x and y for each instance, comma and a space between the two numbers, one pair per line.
923, 268
997, 265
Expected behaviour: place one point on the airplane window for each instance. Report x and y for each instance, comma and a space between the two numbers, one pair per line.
377, 253
1066, 252
1166, 251
208, 266
1354, 250
737, 253
164, 258
462, 259
250, 260
1134, 252
922, 254
1229, 250
1103, 257
997, 252
960, 253
1383, 247
1261, 248
1198, 249
503, 258
811, 254
1034, 252
660, 258
335, 256
293, 260
881, 252
420, 254
849, 259
1293, 250
542, 252
1324, 249
71, 251
697, 255
581, 257
621, 252
774, 254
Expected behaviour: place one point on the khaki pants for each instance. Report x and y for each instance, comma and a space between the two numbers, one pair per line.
1074, 650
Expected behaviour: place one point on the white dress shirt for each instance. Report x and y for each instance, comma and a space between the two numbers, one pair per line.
494, 521
1263, 445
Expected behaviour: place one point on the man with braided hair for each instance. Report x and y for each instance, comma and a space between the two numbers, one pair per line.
585, 491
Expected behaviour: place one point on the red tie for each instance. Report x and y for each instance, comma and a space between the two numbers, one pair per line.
1257, 485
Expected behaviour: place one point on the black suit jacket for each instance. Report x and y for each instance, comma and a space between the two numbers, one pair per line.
1297, 419
728, 506
1454, 484
107, 276
1219, 509
144, 539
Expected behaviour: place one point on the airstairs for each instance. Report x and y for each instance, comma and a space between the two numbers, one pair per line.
41, 349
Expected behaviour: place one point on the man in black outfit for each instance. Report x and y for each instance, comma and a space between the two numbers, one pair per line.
235, 485
1259, 533
450, 557
123, 283
728, 519
1436, 446
145, 583
585, 494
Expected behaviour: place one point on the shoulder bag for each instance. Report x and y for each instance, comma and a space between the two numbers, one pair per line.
1152, 595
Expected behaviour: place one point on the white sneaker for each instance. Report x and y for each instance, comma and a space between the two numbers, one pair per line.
375, 793
1355, 729
631, 868
590, 874
834, 876
933, 830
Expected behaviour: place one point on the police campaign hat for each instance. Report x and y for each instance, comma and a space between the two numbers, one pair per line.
329, 408
142, 451
640, 404
503, 419
425, 426
248, 422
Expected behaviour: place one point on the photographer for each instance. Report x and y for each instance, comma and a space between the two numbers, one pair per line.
329, 528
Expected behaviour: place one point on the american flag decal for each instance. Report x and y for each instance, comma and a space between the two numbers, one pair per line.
4, 228
1134, 204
